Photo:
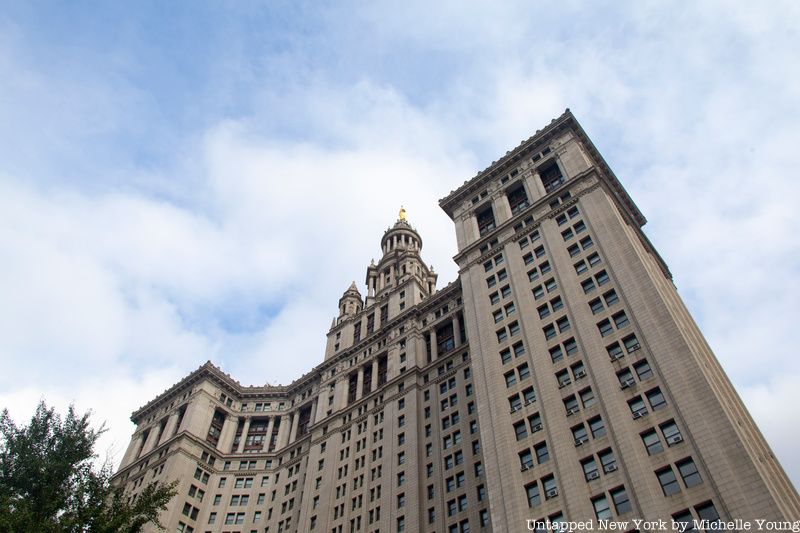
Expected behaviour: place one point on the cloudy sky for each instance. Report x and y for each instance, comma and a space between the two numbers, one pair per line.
190, 181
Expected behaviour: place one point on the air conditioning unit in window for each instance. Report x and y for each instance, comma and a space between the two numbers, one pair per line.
562, 384
594, 474
581, 441
552, 493
639, 414
537, 427
675, 439
516, 408
525, 467
630, 382
633, 348
572, 411
610, 468
617, 356
580, 374
528, 402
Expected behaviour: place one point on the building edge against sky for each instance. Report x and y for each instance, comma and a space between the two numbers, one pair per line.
559, 377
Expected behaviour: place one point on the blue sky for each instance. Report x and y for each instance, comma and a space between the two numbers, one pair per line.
191, 181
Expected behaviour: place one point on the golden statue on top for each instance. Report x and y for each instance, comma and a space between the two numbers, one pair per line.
402, 213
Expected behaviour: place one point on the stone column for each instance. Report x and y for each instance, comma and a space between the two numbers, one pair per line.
535, 186
502, 209
171, 428
130, 454
198, 417
456, 331
374, 382
321, 405
152, 439
295, 424
340, 393
270, 427
283, 432
360, 383
227, 434
314, 410
434, 348
243, 438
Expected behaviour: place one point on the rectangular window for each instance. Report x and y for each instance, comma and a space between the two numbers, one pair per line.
556, 354
611, 297
601, 508
571, 347
707, 511
605, 328
671, 433
643, 369
520, 430
621, 501
587, 285
668, 482
656, 399
590, 471
597, 426
608, 461
485, 220
517, 199
620, 319
631, 343
529, 395
614, 351
651, 442
532, 492
689, 473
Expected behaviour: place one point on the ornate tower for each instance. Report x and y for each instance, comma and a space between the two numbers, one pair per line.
399, 281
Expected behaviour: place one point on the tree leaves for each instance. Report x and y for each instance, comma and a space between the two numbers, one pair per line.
49, 482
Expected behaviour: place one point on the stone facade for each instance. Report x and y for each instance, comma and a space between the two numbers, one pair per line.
560, 377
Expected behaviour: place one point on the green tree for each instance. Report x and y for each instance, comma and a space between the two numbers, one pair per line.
50, 482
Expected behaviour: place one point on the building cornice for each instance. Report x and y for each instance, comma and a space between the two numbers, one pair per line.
529, 147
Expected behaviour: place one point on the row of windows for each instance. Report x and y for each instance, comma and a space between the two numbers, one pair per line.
606, 461
654, 397
539, 451
688, 472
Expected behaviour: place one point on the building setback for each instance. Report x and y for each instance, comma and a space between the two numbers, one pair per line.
560, 377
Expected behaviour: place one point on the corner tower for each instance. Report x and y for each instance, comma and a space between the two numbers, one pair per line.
399, 281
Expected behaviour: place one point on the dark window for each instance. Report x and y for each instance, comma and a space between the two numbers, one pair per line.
485, 220
551, 176
689, 473
669, 484
643, 369
707, 511
517, 199
651, 442
621, 501
671, 433
656, 399
532, 492
597, 426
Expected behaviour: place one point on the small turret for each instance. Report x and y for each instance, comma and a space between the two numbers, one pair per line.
350, 303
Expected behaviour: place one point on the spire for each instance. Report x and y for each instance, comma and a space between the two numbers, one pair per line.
350, 303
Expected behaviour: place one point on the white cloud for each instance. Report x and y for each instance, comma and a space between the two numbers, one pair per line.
134, 274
